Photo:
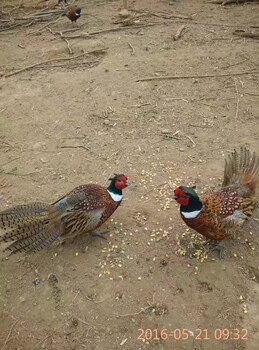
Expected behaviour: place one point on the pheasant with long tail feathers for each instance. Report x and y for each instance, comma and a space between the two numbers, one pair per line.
215, 214
32, 227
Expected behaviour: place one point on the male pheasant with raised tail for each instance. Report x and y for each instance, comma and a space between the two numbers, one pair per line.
215, 214
32, 227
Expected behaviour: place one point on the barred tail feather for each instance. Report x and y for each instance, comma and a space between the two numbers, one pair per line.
30, 227
26, 229
21, 213
34, 243
242, 169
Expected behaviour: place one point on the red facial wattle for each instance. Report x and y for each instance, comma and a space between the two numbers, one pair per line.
121, 182
183, 200
181, 197
178, 192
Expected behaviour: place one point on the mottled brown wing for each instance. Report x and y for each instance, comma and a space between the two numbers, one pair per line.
211, 221
86, 197
85, 208
222, 203
79, 221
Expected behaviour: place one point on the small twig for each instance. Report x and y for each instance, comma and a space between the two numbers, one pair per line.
238, 99
140, 105
68, 46
15, 174
207, 24
61, 35
245, 34
9, 161
227, 2
123, 28
87, 35
82, 321
132, 49
194, 144
199, 126
46, 25
197, 76
80, 146
143, 309
9, 334
234, 64
250, 94
179, 33
136, 313
45, 338
77, 293
166, 16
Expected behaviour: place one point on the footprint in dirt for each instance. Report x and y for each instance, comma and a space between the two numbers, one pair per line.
56, 291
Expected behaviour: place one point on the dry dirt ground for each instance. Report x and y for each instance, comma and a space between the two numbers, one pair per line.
69, 122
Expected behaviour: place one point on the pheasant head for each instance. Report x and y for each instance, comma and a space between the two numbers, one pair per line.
117, 184
190, 203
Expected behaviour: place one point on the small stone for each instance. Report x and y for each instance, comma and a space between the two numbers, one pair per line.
36, 281
124, 13
165, 131
106, 122
37, 146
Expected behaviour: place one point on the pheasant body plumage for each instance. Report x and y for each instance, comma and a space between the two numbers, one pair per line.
214, 215
36, 225
73, 13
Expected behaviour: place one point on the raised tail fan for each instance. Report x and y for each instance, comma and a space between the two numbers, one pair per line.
242, 170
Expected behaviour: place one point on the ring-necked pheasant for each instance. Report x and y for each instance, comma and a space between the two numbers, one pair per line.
34, 226
215, 214
73, 13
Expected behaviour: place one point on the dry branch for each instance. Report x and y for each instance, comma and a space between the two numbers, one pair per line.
61, 35
246, 34
39, 64
169, 16
9, 334
171, 77
42, 340
38, 17
42, 63
80, 146
87, 35
238, 99
132, 49
214, 24
227, 2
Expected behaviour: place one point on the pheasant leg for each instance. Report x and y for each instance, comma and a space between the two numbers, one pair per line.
215, 246
100, 234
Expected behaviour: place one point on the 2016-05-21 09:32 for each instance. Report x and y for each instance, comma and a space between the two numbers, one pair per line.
198, 334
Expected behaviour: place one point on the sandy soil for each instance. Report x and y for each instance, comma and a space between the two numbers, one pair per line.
71, 122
